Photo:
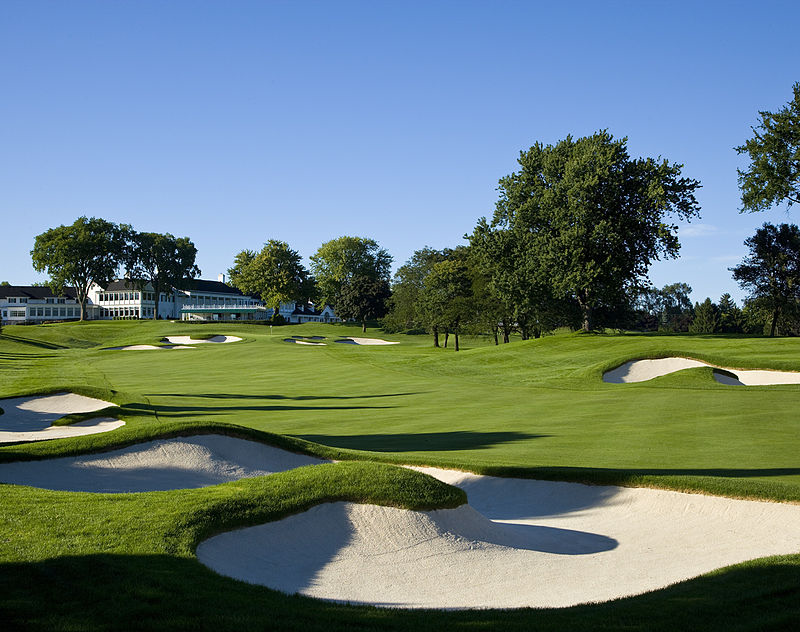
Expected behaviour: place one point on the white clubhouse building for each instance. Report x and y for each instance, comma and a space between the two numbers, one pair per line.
124, 299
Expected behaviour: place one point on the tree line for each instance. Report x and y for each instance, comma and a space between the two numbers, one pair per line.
571, 240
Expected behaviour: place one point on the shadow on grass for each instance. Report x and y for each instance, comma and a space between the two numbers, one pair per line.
33, 342
423, 441
277, 397
162, 592
163, 410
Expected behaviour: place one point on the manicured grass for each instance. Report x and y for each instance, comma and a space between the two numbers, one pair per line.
537, 408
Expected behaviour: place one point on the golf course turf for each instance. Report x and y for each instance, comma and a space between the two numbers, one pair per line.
534, 409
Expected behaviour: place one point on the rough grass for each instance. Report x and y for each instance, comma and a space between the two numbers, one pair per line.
534, 409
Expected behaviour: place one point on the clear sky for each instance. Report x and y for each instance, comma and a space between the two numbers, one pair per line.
237, 122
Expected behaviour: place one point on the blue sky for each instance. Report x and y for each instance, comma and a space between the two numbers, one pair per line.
237, 122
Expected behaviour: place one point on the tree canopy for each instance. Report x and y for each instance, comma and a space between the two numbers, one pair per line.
88, 251
275, 273
771, 272
446, 297
162, 260
339, 260
593, 218
773, 176
406, 286
363, 298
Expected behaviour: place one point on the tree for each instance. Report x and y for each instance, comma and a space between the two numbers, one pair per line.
771, 272
406, 286
773, 176
362, 298
706, 318
518, 280
275, 273
86, 252
675, 307
339, 260
594, 217
445, 299
164, 261
730, 316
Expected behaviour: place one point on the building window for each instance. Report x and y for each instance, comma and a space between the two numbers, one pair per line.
17, 313
12, 300
40, 311
23, 300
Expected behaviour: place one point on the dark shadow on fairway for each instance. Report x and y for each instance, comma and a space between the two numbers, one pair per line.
159, 592
279, 397
184, 411
422, 441
34, 343
24, 356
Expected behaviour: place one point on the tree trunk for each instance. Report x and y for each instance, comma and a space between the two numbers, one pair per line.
456, 335
506, 334
436, 337
586, 311
363, 326
496, 341
537, 333
774, 325
446, 338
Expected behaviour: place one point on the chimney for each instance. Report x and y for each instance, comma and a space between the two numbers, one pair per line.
221, 277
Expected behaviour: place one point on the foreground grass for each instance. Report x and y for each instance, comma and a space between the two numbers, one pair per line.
537, 408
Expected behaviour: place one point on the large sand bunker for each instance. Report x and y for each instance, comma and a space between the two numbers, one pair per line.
643, 370
518, 543
188, 340
182, 462
304, 342
30, 418
366, 341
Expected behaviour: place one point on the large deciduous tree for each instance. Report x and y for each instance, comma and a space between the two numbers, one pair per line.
773, 176
594, 218
87, 251
363, 298
406, 286
446, 297
164, 261
771, 272
339, 260
275, 273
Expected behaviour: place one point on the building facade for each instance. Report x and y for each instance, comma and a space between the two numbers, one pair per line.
123, 299
35, 304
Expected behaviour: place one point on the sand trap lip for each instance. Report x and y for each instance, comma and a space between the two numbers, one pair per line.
643, 370
305, 342
519, 543
164, 464
188, 340
366, 341
30, 418
147, 347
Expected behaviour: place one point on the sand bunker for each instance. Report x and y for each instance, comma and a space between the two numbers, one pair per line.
179, 463
519, 543
304, 342
188, 340
643, 370
29, 418
366, 341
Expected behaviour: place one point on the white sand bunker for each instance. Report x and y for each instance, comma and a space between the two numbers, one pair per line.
366, 341
643, 370
188, 340
519, 543
179, 463
304, 342
29, 418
